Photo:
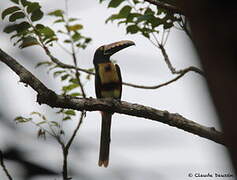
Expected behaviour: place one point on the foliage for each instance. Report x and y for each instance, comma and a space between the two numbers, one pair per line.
52, 128
24, 17
143, 18
73, 30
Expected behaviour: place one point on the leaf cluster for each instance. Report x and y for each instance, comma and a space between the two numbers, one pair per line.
140, 17
22, 15
71, 29
40, 121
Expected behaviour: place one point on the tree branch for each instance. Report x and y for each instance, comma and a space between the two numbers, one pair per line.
4, 167
172, 69
169, 7
75, 130
157, 86
47, 96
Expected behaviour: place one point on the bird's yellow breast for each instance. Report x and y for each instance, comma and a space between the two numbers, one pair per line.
108, 73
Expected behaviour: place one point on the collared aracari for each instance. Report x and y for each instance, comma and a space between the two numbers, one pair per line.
108, 84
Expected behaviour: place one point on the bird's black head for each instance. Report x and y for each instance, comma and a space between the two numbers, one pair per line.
103, 53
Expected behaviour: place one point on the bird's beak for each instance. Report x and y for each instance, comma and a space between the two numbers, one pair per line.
112, 48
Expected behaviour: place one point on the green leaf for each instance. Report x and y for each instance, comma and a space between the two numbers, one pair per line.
149, 11
51, 40
112, 18
72, 19
10, 10
76, 37
23, 26
58, 21
54, 123
57, 13
67, 41
88, 40
21, 119
65, 76
75, 94
46, 63
124, 12
36, 15
70, 87
115, 3
132, 17
57, 73
15, 1
25, 2
42, 122
136, 1
15, 16
73, 80
67, 118
39, 26
132, 29
75, 27
168, 25
70, 112
10, 28
146, 34
38, 114
33, 7
143, 18
47, 32
28, 41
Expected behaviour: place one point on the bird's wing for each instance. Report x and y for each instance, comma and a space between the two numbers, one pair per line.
97, 83
120, 79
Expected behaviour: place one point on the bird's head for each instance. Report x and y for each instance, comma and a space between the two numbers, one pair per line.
103, 53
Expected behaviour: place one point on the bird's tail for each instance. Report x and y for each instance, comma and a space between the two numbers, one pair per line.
105, 139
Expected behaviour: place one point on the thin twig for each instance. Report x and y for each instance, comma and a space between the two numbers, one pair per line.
157, 86
184, 26
166, 38
66, 147
4, 167
76, 130
73, 51
172, 69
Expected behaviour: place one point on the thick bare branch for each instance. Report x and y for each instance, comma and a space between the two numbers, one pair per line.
46, 96
25, 76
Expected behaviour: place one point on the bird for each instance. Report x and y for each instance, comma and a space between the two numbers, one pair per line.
108, 84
